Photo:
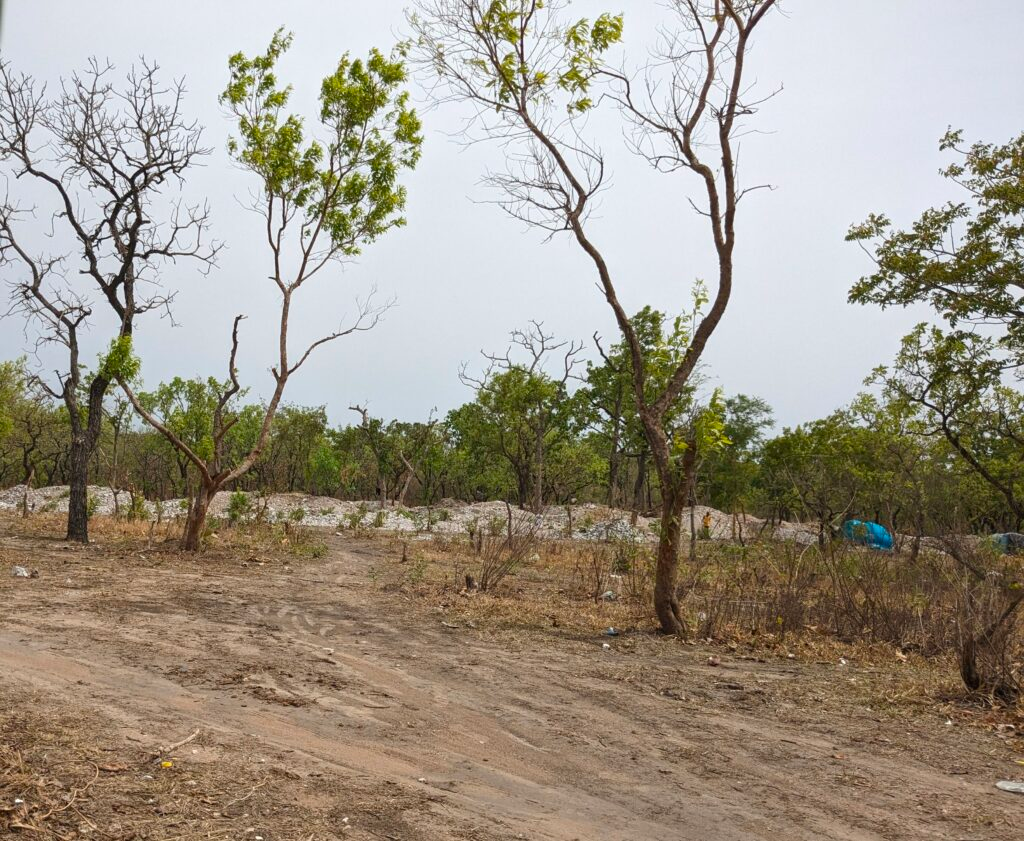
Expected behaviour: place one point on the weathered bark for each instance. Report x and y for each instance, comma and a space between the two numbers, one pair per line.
666, 599
78, 500
677, 483
83, 443
195, 523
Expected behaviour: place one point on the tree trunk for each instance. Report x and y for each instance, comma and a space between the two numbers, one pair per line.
638, 485
28, 489
195, 524
666, 601
78, 501
538, 505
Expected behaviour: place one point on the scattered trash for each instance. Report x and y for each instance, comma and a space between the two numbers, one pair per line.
609, 595
606, 647
611, 632
843, 662
421, 779
21, 572
714, 661
167, 764
1014, 786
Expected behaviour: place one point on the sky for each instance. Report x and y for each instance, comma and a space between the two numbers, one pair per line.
867, 88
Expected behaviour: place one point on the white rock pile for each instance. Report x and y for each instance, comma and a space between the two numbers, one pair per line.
588, 521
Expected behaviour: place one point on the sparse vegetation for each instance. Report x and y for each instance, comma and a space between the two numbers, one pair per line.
599, 583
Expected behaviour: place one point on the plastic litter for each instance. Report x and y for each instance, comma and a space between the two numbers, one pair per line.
606, 647
22, 572
611, 632
1013, 786
868, 534
609, 595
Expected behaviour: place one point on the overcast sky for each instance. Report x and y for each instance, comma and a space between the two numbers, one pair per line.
869, 86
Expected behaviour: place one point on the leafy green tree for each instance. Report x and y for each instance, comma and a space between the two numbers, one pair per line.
965, 259
729, 475
12, 380
955, 380
525, 411
321, 201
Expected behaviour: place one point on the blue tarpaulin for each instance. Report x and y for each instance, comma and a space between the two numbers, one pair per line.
867, 534
1009, 543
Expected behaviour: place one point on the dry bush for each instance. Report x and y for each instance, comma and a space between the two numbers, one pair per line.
855, 594
890, 597
989, 645
501, 555
591, 568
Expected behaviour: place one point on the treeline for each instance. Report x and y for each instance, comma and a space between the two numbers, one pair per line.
544, 427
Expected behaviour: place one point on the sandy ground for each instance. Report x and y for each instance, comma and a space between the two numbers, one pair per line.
329, 709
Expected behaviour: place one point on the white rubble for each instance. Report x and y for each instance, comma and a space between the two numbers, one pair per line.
589, 521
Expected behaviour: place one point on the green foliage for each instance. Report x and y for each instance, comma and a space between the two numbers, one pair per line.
965, 258
12, 391
728, 474
137, 509
119, 362
569, 61
347, 186
187, 408
239, 507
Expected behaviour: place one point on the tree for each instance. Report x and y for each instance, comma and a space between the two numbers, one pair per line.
529, 76
525, 410
966, 260
609, 393
729, 474
955, 379
106, 156
320, 202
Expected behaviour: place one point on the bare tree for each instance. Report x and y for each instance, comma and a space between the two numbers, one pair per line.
105, 156
515, 62
319, 202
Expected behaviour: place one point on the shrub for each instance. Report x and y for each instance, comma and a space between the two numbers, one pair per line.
499, 557
239, 507
137, 508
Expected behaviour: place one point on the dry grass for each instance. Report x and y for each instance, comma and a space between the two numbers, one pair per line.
762, 601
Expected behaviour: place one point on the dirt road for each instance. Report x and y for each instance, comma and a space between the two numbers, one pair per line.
367, 716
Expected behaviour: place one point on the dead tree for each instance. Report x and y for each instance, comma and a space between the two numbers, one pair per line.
529, 76
106, 158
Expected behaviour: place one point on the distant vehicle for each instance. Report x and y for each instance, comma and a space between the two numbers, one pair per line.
1009, 543
872, 535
